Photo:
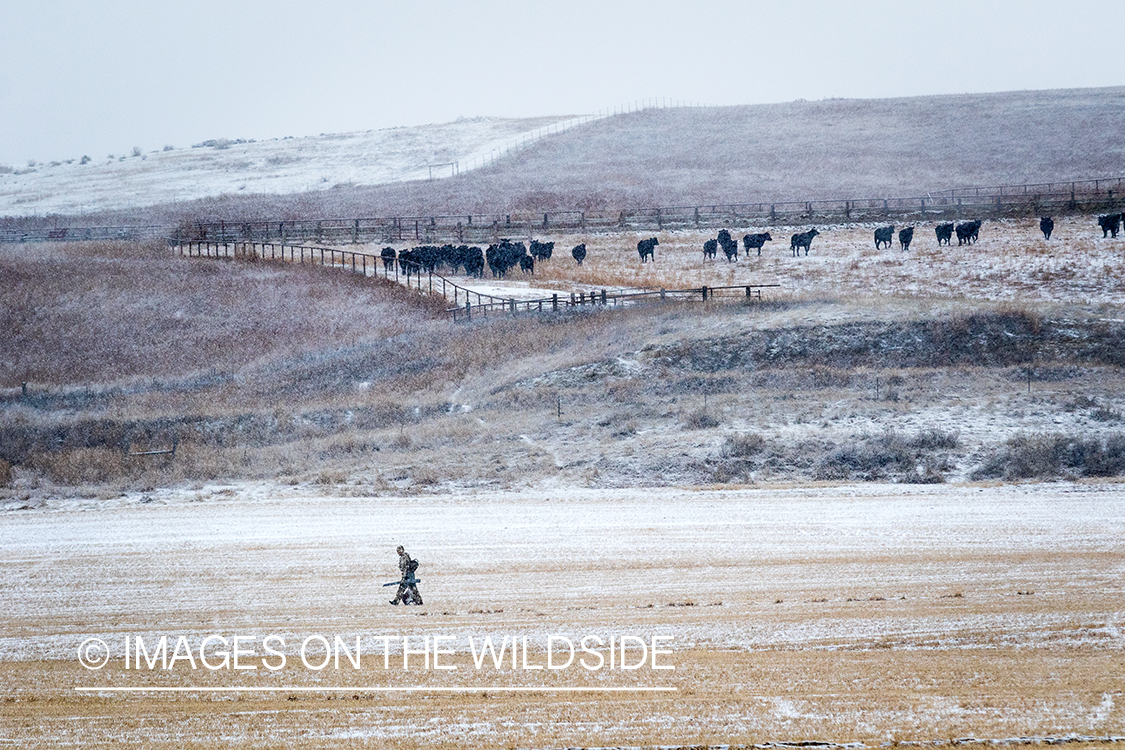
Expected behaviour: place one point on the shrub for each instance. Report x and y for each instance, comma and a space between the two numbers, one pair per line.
1055, 456
890, 456
700, 419
743, 445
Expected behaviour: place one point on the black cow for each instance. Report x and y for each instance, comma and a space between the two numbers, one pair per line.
755, 241
884, 236
804, 239
729, 245
504, 256
1110, 224
905, 236
647, 249
427, 256
473, 260
579, 253
967, 232
541, 250
388, 255
944, 233
710, 247
527, 264
1046, 226
408, 263
450, 257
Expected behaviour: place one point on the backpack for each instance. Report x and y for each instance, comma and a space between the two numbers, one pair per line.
411, 567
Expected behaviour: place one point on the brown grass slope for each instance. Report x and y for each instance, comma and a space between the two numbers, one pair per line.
836, 148
262, 371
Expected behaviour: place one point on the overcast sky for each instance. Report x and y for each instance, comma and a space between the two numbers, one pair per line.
98, 77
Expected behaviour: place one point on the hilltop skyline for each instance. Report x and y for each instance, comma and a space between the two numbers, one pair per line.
83, 79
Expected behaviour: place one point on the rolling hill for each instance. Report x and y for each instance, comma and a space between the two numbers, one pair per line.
836, 148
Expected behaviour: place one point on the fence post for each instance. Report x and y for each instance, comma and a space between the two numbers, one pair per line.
603, 298
468, 308
704, 290
555, 302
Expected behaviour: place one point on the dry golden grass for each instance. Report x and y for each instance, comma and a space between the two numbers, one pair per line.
1011, 261
966, 624
723, 698
348, 380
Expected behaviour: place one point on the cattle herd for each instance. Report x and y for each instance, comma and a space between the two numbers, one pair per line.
506, 255
499, 258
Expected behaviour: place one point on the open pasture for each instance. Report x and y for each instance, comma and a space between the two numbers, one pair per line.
871, 614
1011, 261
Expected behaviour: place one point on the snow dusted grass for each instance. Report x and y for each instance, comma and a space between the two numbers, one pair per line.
855, 613
801, 608
109, 312
280, 166
1011, 262
321, 377
795, 151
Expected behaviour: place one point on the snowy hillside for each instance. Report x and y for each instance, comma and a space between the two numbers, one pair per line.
279, 166
799, 151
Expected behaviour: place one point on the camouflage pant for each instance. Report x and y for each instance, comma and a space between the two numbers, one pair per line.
408, 594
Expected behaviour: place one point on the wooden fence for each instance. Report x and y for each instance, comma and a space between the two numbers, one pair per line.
1103, 195
459, 299
1089, 196
17, 233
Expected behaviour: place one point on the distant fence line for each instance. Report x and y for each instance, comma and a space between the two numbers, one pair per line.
1084, 196
459, 298
958, 203
81, 234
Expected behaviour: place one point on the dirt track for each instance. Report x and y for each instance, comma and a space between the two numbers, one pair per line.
870, 613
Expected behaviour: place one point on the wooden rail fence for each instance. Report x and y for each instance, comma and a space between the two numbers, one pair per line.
1102, 195
1089, 196
414, 276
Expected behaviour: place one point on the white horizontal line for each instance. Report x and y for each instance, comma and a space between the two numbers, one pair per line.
378, 689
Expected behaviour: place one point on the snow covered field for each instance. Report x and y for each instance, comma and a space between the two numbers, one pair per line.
1010, 262
854, 613
288, 165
